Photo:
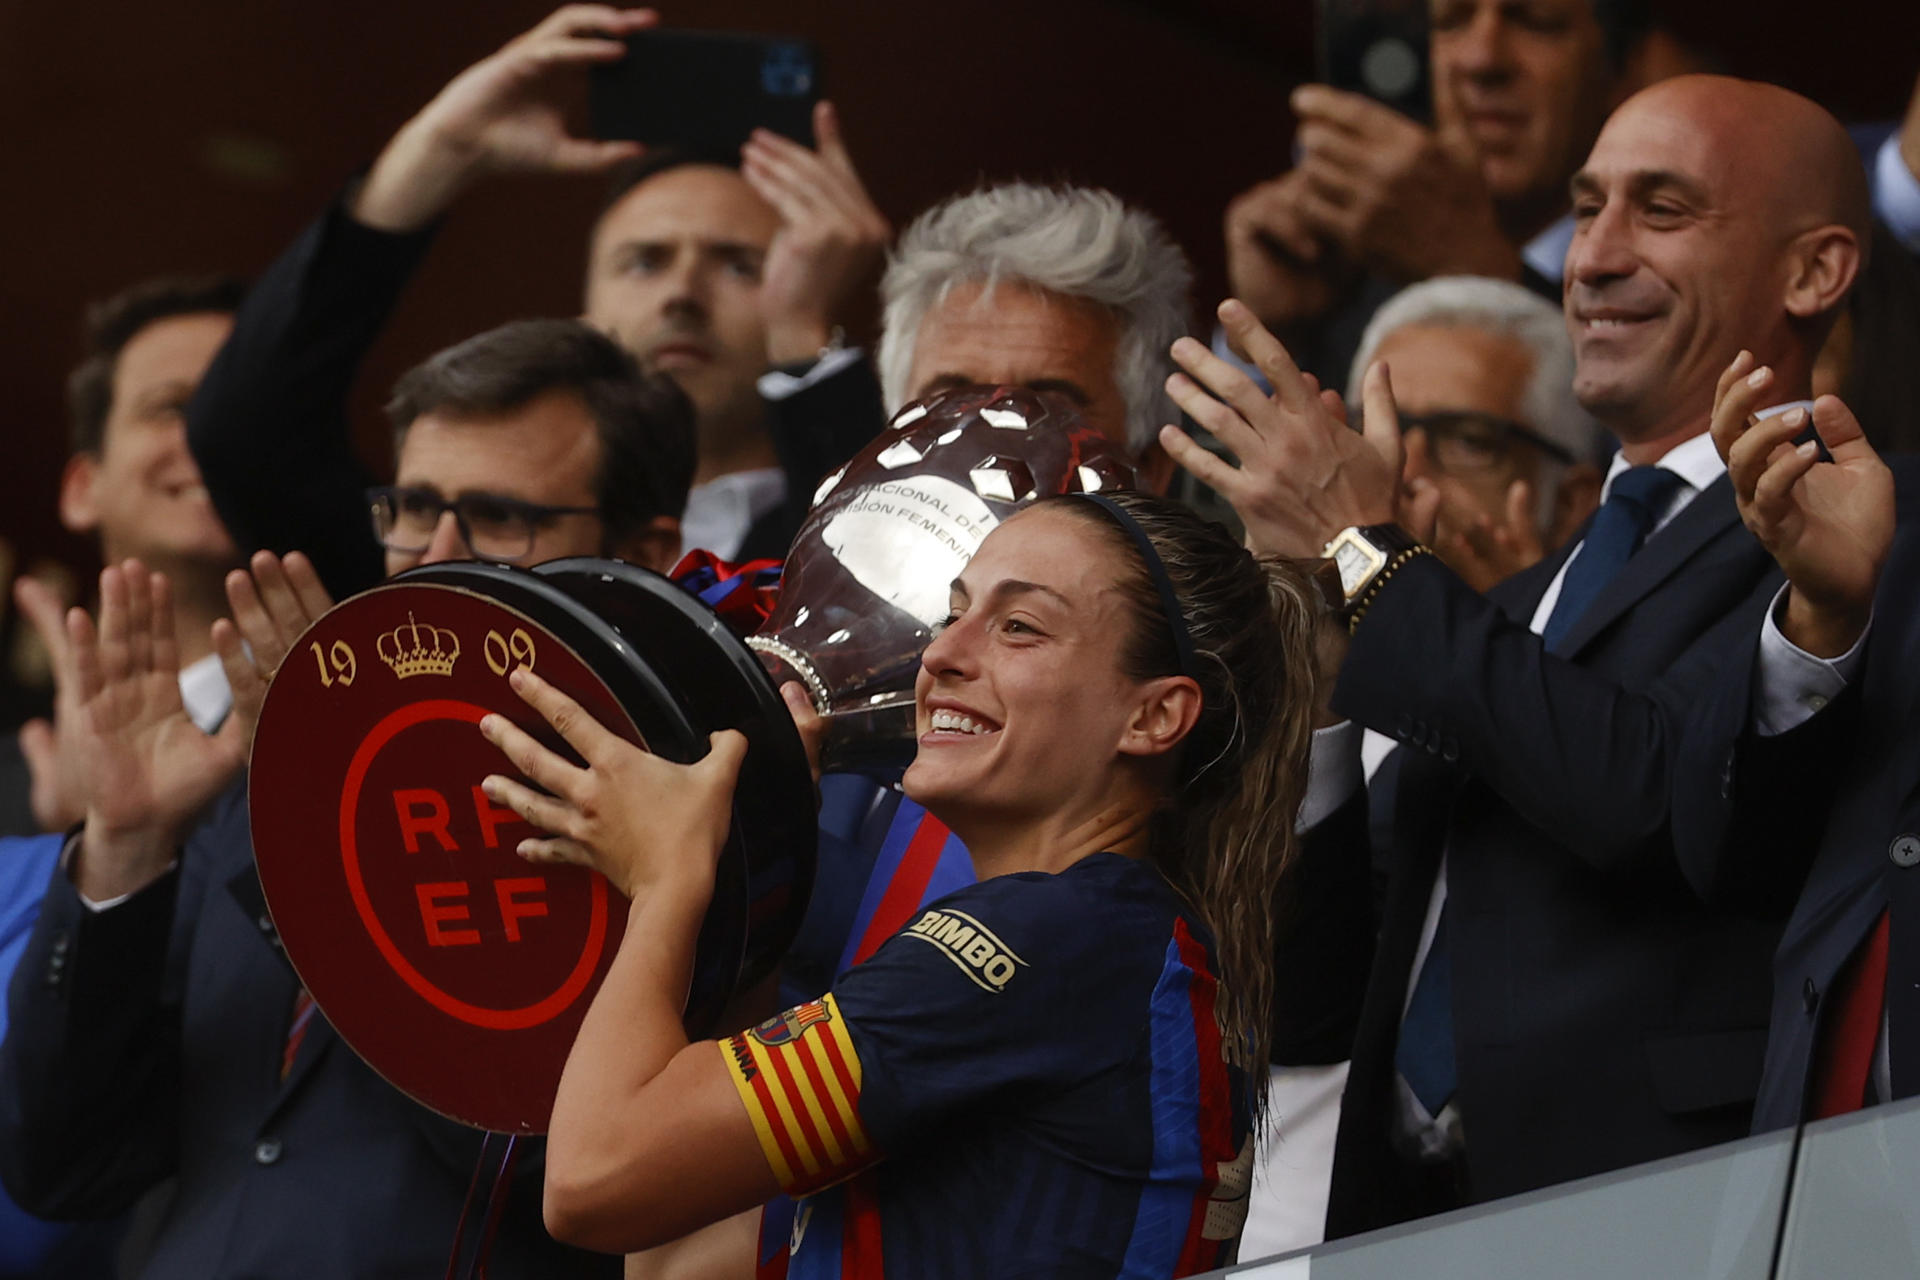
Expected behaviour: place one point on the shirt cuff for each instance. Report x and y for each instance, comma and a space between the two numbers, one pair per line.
778, 384
105, 904
1896, 193
1334, 773
1792, 685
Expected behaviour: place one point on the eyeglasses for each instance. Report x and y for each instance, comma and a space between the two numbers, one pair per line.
493, 527
1464, 442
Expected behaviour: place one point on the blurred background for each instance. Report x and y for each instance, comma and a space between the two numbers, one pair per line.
200, 136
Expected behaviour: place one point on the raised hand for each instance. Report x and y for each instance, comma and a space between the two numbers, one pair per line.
273, 601
1276, 263
831, 241
1482, 549
51, 756
1397, 197
1304, 475
1828, 525
639, 820
146, 770
501, 115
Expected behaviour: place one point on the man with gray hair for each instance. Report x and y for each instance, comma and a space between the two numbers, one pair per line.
1059, 288
1483, 374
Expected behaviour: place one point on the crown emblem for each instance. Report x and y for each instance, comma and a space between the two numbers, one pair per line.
413, 650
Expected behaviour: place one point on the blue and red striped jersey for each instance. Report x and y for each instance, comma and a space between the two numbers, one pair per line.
1025, 1080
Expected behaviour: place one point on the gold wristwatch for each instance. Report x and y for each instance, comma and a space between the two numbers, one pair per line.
1366, 556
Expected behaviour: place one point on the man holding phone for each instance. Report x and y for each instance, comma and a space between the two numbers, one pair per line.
1378, 201
711, 273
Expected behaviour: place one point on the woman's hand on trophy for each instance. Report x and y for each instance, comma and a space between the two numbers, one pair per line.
811, 724
642, 821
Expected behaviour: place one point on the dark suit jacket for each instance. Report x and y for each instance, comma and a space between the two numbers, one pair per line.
1817, 819
1602, 1015
269, 430
146, 1042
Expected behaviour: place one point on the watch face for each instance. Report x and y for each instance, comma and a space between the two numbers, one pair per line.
1355, 561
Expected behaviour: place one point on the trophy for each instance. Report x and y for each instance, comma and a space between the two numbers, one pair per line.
868, 574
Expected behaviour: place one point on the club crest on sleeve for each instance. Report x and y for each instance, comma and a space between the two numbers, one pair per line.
789, 1026
987, 961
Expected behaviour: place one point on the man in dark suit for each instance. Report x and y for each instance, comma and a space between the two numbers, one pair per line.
1548, 997
156, 1028
1815, 801
711, 269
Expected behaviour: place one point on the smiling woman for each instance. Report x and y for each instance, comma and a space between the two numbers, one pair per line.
1054, 1071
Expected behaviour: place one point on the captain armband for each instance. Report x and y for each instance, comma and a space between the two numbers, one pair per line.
800, 1080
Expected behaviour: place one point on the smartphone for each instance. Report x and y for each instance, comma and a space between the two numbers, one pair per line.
1378, 48
706, 91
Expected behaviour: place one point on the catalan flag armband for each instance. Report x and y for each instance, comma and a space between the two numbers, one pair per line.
800, 1079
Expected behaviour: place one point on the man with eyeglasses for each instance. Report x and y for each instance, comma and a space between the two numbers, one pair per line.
156, 1029
536, 440
1483, 375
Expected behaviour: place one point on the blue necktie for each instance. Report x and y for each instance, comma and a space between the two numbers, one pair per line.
1424, 1056
1634, 502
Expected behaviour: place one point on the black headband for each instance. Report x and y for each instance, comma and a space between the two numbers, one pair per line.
1169, 602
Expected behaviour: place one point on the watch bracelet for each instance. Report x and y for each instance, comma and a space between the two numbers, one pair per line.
1393, 566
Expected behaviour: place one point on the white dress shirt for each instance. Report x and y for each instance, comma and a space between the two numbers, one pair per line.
204, 691
1896, 193
721, 511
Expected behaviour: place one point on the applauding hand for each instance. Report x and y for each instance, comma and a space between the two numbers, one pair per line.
1304, 475
146, 769
273, 601
51, 755
1828, 525
1482, 549
641, 821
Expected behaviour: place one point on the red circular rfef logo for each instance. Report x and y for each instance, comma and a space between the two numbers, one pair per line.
456, 968
516, 896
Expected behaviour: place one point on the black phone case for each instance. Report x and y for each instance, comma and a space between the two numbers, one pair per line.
1379, 48
705, 92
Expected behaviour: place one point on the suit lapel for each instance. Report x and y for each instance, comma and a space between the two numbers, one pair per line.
245, 889
1698, 523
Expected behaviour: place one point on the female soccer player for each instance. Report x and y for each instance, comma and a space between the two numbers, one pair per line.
1052, 1072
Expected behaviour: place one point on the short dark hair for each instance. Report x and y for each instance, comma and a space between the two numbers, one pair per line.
625, 177
112, 324
645, 423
